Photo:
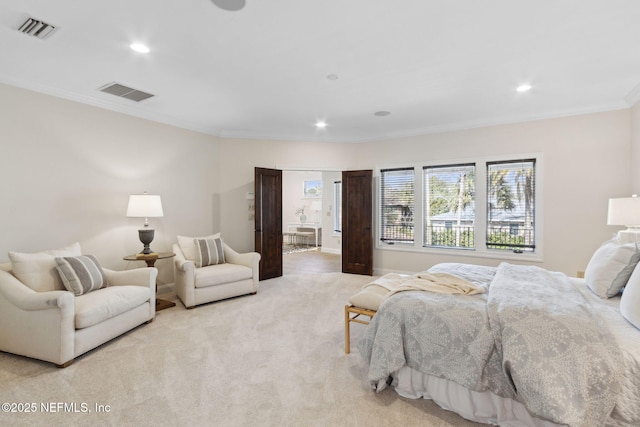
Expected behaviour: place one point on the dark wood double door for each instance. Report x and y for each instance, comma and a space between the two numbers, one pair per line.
357, 221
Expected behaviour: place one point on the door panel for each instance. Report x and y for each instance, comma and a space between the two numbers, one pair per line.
357, 222
268, 221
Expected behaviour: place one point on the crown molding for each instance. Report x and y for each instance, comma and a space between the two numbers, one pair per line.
634, 96
629, 101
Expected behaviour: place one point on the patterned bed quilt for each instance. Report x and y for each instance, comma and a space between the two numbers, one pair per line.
532, 337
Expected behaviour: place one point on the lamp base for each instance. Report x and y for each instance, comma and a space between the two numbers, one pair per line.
630, 235
146, 237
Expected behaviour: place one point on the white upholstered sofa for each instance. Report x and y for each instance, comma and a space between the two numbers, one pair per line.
229, 274
45, 321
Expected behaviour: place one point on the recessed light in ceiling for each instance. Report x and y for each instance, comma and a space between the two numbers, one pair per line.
139, 47
381, 113
321, 124
524, 88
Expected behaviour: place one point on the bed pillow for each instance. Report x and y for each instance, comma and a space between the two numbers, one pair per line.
38, 270
610, 267
209, 252
630, 301
80, 274
188, 247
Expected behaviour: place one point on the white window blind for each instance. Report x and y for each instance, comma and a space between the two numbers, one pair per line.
397, 205
449, 206
511, 193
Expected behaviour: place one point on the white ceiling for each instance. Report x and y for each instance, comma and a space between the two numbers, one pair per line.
261, 72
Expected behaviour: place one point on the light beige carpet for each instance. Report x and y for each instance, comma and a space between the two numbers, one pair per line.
272, 359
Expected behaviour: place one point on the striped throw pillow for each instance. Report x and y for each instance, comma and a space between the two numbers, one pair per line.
209, 252
80, 274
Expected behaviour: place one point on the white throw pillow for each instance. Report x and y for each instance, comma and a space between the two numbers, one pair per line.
38, 270
188, 246
630, 301
610, 267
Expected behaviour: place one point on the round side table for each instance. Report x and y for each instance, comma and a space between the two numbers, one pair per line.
151, 259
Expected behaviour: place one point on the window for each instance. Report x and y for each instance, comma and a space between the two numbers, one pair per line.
337, 202
510, 205
484, 207
449, 206
396, 205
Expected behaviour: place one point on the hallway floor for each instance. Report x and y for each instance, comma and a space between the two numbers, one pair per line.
312, 261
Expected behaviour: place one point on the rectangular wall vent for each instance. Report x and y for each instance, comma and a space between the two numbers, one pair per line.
125, 92
36, 28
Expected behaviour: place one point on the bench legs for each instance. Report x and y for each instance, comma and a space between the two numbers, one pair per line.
357, 311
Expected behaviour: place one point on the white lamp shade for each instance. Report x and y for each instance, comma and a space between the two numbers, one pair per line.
315, 205
144, 206
624, 211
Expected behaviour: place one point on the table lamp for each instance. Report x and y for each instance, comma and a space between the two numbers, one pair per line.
625, 211
145, 206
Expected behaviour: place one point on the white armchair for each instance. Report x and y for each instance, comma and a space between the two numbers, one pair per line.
237, 275
56, 326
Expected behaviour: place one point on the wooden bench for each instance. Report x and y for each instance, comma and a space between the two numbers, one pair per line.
350, 310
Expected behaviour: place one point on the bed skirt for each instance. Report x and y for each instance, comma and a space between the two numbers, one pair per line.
483, 407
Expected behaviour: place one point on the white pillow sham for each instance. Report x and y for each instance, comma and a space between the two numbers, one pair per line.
38, 270
610, 268
630, 301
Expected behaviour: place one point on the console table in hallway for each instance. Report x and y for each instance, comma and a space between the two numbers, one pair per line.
316, 226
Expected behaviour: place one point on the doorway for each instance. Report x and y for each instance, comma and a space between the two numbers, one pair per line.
311, 241
355, 215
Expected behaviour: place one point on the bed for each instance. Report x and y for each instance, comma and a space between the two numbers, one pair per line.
535, 347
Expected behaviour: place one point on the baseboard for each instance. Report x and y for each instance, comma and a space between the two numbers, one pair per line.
331, 251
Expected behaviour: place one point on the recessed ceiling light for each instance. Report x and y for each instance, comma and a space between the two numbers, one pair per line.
321, 124
381, 113
523, 88
139, 47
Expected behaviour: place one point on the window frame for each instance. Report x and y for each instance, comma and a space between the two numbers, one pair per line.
481, 250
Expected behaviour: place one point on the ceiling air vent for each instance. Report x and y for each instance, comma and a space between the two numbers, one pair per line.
125, 92
36, 28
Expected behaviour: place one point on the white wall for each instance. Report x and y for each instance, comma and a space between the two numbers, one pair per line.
67, 170
586, 161
331, 242
292, 196
241, 156
634, 158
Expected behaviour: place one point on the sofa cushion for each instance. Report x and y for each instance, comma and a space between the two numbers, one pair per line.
98, 306
188, 246
80, 274
220, 274
38, 270
209, 252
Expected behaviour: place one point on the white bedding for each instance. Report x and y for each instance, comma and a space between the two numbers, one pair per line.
486, 407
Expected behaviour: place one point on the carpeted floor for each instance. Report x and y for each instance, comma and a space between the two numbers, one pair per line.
272, 359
